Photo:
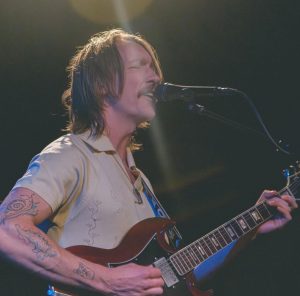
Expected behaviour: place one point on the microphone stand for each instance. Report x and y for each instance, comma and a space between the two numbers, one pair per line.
201, 110
189, 98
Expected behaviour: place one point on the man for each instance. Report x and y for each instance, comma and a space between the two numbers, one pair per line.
86, 182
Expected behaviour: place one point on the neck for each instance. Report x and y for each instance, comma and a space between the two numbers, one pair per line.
120, 142
119, 132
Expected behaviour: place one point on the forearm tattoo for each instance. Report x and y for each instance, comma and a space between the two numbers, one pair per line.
23, 205
40, 245
84, 272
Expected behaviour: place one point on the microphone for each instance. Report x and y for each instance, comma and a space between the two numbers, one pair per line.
167, 92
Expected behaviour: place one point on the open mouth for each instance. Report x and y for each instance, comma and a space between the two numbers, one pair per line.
149, 94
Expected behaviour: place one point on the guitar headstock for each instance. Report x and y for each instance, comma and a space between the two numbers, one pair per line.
292, 175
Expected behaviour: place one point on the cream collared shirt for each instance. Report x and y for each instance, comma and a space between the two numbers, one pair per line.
90, 193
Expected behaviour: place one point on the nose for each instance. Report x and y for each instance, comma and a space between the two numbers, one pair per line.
153, 76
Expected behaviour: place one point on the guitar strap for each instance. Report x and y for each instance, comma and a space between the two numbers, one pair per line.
173, 233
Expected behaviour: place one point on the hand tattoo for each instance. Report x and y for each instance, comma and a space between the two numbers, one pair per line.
41, 246
85, 272
23, 205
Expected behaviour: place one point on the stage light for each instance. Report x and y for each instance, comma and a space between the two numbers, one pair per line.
110, 11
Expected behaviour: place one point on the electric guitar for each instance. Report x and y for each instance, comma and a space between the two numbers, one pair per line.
182, 270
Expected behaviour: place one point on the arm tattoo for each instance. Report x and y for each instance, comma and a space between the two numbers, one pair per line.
23, 205
40, 245
84, 272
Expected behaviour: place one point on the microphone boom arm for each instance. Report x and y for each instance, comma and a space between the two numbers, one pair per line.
166, 92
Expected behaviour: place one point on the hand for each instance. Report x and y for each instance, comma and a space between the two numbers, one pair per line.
284, 205
134, 280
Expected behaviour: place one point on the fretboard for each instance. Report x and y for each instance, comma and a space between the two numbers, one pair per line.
194, 254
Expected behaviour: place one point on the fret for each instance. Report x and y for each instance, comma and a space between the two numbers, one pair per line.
294, 185
230, 231
220, 238
178, 263
293, 189
181, 261
173, 260
197, 252
247, 216
236, 228
243, 224
190, 259
185, 259
210, 244
194, 257
263, 210
205, 247
201, 249
214, 241
256, 216
225, 234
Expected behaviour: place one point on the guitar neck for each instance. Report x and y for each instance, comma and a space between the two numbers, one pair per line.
194, 254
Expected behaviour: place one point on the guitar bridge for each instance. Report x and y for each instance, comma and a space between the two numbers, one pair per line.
167, 272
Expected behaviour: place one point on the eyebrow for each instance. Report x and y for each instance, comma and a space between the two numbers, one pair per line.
135, 60
140, 61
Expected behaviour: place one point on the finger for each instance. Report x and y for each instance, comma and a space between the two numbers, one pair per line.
267, 194
154, 272
270, 193
282, 207
276, 202
291, 201
154, 283
154, 291
285, 212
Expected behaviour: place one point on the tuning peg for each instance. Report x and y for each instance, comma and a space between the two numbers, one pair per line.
286, 173
294, 169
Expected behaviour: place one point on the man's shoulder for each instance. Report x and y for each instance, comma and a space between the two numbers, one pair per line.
63, 148
63, 143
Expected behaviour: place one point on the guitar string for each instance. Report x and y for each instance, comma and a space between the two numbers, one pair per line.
190, 255
294, 185
168, 261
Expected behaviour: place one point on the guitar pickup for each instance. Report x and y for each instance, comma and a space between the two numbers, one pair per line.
167, 272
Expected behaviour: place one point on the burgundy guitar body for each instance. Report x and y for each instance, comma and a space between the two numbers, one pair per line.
144, 244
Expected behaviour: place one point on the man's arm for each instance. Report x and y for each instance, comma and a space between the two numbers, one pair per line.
26, 245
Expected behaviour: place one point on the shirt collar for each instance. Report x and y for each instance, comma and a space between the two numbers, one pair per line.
100, 144
103, 144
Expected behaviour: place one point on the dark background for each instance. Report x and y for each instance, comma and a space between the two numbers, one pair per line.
204, 172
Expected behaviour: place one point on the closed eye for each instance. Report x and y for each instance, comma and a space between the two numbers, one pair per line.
139, 63
134, 67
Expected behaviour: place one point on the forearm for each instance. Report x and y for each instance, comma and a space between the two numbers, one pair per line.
27, 246
24, 244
